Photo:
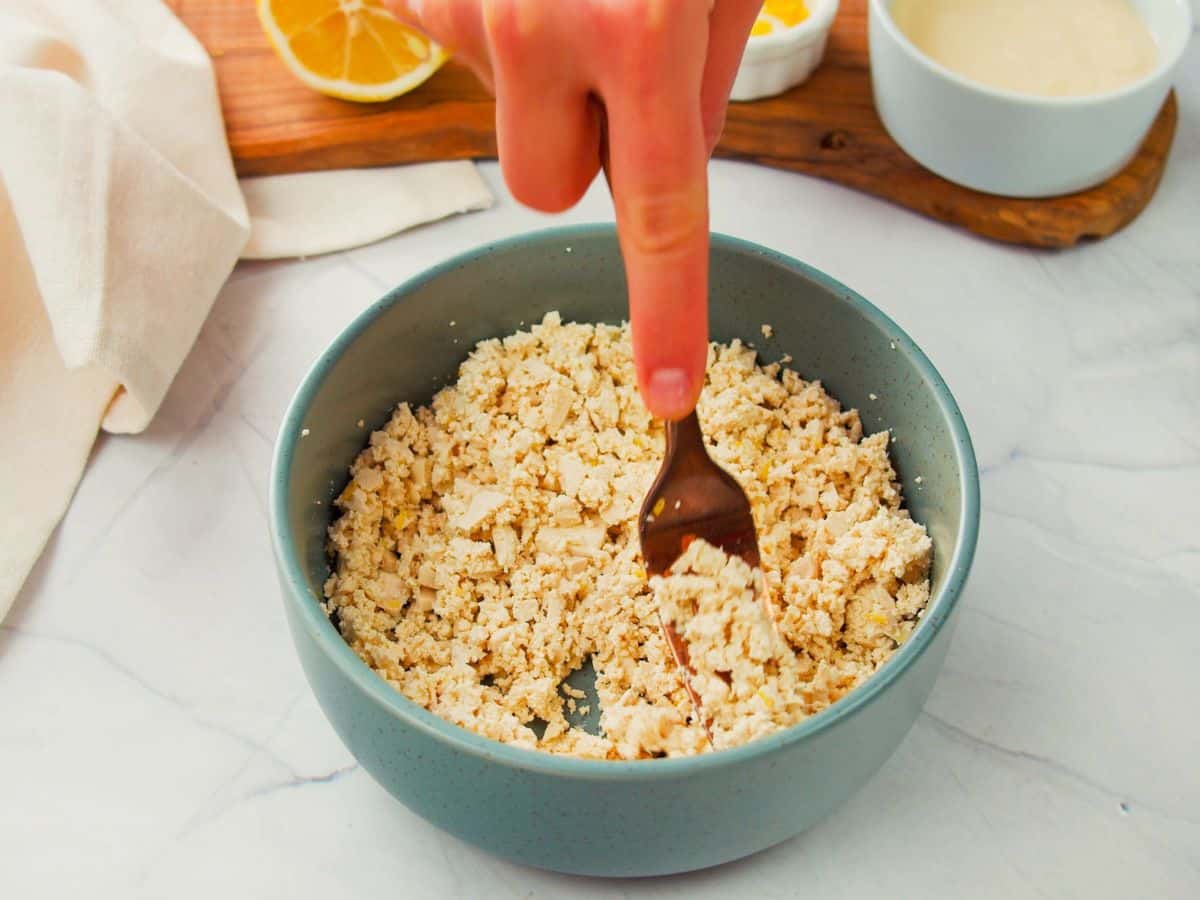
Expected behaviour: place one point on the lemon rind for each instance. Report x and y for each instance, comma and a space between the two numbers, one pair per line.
340, 87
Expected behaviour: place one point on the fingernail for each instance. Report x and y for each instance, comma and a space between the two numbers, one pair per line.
670, 393
414, 8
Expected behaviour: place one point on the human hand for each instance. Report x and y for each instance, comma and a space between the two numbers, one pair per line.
641, 87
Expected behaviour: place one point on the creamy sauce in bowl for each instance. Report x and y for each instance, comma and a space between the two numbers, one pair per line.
1047, 48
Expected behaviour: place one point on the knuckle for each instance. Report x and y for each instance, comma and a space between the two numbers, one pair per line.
630, 29
664, 223
435, 19
648, 45
511, 24
652, 15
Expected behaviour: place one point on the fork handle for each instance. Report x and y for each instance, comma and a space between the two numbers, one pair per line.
684, 438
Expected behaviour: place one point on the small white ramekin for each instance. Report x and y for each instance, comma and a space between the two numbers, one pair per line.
1011, 144
774, 62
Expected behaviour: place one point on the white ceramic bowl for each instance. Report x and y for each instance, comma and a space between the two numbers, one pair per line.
774, 62
1014, 144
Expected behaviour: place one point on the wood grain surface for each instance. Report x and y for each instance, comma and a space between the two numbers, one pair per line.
826, 127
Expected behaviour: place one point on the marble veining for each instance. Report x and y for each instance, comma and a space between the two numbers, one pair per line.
157, 737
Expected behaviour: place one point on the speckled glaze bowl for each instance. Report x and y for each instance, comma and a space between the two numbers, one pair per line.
585, 816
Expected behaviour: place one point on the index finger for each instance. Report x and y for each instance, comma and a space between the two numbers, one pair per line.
658, 160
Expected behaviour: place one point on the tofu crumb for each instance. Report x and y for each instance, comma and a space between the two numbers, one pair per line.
486, 547
304, 432
920, 479
767, 331
361, 424
873, 396
747, 679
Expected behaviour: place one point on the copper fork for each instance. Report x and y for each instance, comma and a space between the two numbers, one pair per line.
691, 498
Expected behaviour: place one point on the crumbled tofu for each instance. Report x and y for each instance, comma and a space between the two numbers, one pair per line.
486, 547
481, 505
767, 331
746, 678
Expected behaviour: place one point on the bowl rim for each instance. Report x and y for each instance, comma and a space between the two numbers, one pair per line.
881, 11
321, 631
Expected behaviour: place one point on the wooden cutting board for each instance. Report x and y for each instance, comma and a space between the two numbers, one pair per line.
826, 127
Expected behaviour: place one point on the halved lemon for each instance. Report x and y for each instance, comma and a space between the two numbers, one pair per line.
776, 15
353, 49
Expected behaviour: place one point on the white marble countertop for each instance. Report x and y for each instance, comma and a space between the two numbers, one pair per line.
157, 737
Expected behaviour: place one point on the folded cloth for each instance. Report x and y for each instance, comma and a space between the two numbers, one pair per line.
120, 219
319, 212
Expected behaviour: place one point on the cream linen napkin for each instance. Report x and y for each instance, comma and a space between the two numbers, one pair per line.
319, 212
120, 219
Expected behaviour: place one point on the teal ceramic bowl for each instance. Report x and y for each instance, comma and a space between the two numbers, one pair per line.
585, 816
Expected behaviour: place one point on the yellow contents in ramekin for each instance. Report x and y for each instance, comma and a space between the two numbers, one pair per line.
777, 15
